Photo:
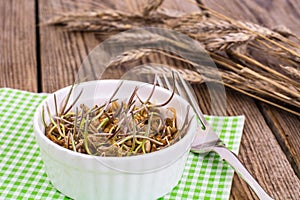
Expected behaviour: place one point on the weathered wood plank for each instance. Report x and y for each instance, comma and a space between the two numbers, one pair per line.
18, 45
62, 52
267, 13
286, 128
261, 154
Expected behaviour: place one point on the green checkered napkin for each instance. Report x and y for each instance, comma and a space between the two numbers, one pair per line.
22, 172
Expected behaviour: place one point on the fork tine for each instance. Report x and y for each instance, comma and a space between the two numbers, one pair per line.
179, 87
167, 82
184, 93
168, 86
159, 81
191, 98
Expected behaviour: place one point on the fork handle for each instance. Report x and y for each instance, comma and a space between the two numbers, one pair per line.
239, 168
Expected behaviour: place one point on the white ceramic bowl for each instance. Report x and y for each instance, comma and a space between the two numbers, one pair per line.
82, 176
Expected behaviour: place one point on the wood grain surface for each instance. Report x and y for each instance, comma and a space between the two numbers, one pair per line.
61, 52
18, 64
271, 138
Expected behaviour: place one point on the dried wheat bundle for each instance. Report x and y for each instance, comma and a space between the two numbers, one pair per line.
253, 60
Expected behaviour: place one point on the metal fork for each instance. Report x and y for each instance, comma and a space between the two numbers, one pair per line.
207, 140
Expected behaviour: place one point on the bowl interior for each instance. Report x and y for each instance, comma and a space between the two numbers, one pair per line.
97, 92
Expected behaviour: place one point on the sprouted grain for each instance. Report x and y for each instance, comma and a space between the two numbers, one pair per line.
116, 127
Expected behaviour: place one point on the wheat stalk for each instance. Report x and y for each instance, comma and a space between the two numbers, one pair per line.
151, 6
261, 85
228, 41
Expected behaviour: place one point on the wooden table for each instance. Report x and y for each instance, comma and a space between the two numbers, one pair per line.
45, 58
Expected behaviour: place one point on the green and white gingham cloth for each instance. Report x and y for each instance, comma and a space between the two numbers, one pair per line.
22, 173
